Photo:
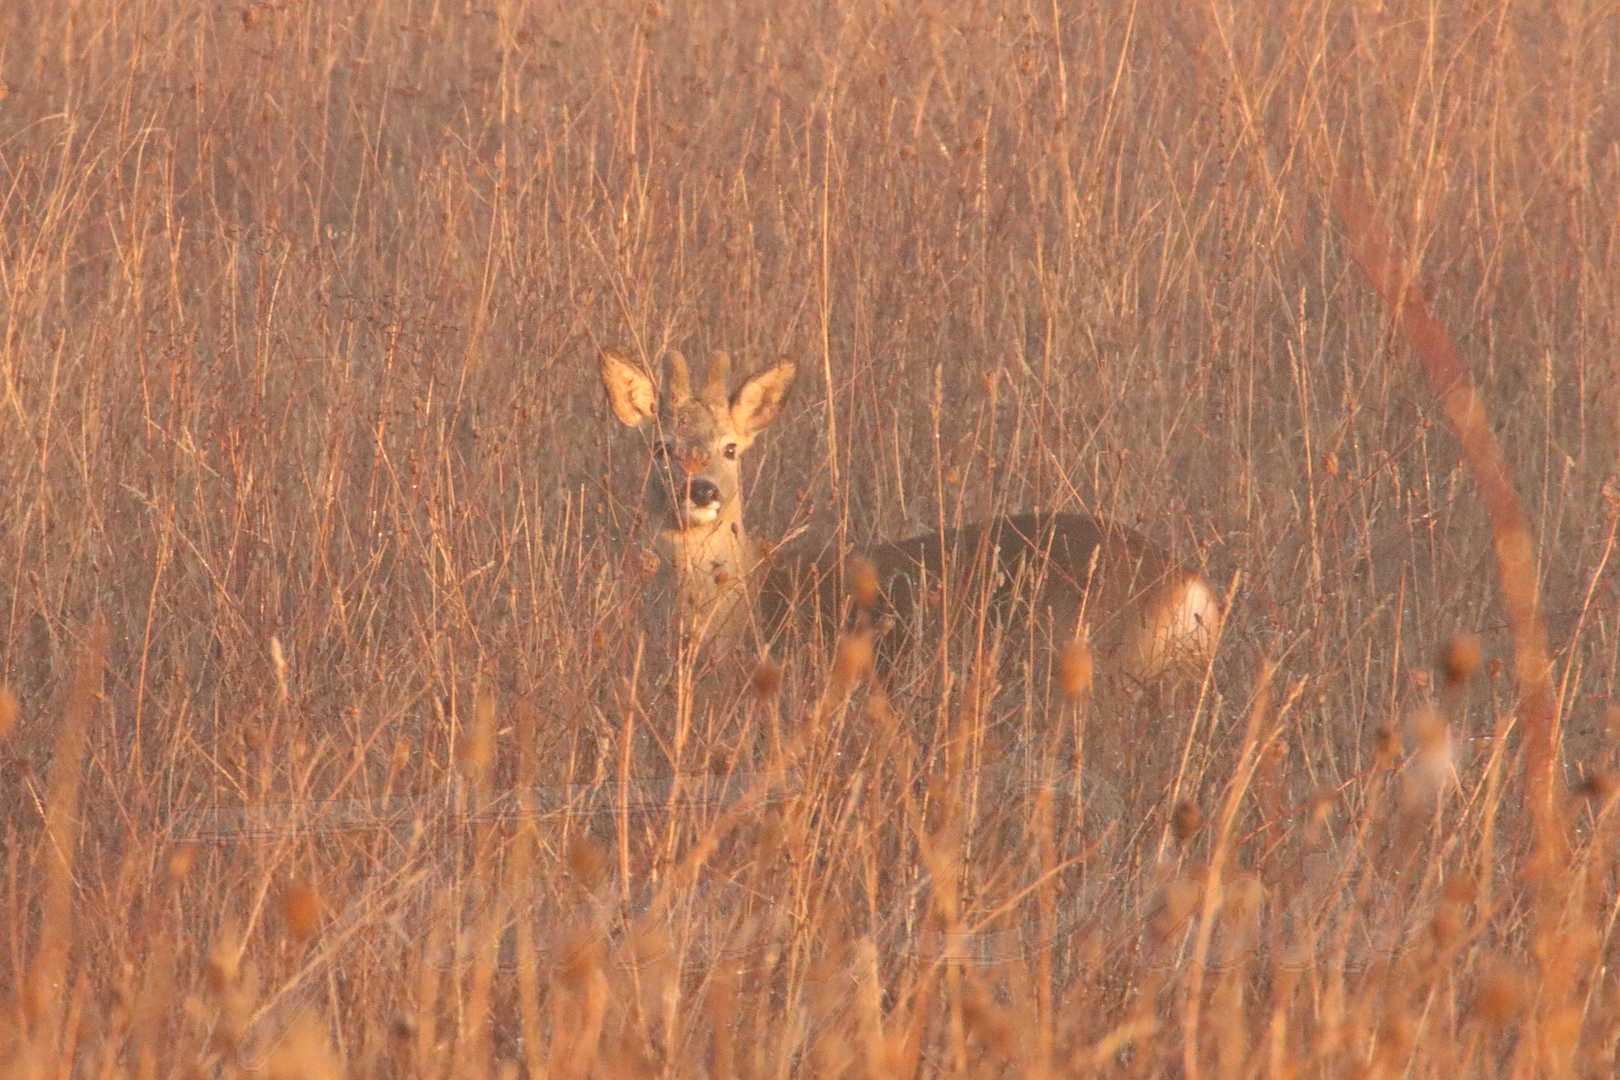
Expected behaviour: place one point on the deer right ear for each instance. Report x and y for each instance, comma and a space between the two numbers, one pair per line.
760, 398
631, 393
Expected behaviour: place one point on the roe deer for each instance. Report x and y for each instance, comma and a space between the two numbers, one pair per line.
1141, 612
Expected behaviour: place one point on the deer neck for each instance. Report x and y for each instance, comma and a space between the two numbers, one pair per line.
712, 564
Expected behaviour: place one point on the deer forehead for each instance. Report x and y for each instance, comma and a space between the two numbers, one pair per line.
699, 423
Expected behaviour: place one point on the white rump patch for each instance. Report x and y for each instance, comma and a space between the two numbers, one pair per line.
1197, 614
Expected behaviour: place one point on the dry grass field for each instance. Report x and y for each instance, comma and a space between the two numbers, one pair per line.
335, 736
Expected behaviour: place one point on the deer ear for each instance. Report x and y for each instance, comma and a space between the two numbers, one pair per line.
759, 400
631, 393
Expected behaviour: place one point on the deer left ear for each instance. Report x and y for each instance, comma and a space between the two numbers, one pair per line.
631, 393
759, 400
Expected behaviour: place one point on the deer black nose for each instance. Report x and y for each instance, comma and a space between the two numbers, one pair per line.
701, 492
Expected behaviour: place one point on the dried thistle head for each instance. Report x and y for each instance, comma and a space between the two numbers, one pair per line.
854, 658
587, 862
301, 909
1386, 746
989, 1023
304, 1051
863, 583
475, 751
649, 946
1177, 902
1501, 995
1242, 899
181, 860
1598, 787
770, 835
1321, 805
1185, 820
880, 714
1460, 659
1436, 750
583, 957
766, 680
1445, 925
1075, 669
225, 958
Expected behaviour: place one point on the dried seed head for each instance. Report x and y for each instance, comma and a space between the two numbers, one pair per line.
1176, 904
1386, 745
1460, 890
880, 713
769, 836
587, 862
1501, 996
1446, 924
1244, 895
854, 657
476, 749
766, 680
863, 583
224, 959
1075, 669
649, 944
301, 908
1460, 659
989, 1023
181, 859
1322, 803
1599, 787
303, 1051
582, 958
1185, 821
1397, 1037
1436, 752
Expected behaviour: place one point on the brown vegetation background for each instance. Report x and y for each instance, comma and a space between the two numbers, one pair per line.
332, 743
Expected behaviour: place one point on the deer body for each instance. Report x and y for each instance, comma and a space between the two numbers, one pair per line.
1141, 613
1070, 574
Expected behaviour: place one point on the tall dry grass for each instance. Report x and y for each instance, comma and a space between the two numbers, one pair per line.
332, 738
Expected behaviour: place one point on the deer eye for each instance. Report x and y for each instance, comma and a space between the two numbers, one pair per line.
730, 450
